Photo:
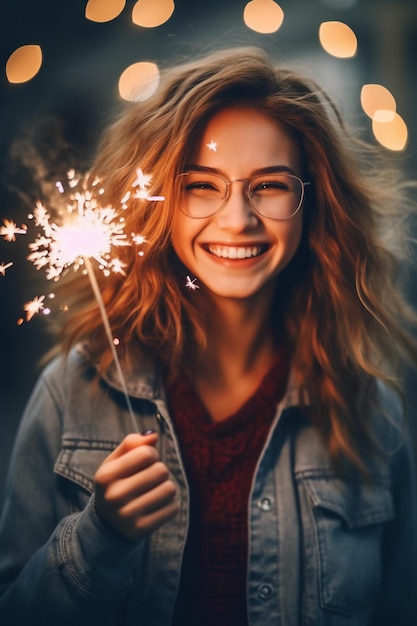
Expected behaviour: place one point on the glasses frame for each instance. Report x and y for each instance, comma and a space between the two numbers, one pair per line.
248, 196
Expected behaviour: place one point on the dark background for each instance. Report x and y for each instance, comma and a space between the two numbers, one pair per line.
53, 122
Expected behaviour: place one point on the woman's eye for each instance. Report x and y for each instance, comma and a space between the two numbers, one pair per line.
270, 185
202, 186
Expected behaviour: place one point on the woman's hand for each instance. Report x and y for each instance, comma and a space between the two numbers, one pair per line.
134, 494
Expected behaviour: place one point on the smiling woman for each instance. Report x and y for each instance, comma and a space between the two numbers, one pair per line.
249, 234
261, 332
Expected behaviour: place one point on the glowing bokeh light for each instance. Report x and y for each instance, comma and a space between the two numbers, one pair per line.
263, 16
151, 13
139, 81
378, 102
24, 63
393, 134
104, 10
338, 39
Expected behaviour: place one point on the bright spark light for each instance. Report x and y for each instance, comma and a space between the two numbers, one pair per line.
143, 181
83, 230
191, 284
4, 267
87, 231
212, 146
138, 239
33, 307
9, 230
117, 266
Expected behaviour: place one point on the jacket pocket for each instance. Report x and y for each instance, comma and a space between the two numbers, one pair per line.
348, 518
79, 460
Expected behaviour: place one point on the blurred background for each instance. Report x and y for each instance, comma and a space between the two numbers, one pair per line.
67, 66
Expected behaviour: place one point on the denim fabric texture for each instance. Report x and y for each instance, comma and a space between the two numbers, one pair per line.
322, 551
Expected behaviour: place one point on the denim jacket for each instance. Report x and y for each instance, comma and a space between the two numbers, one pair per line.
321, 551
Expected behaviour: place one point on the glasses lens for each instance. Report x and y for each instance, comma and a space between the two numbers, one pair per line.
277, 196
202, 194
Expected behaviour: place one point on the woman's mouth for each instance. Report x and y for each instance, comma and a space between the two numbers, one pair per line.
236, 252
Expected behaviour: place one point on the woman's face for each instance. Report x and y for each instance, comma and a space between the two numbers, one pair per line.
236, 252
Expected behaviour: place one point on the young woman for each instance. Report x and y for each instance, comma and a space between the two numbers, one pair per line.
270, 480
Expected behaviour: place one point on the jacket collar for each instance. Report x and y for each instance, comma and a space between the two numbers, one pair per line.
143, 378
142, 375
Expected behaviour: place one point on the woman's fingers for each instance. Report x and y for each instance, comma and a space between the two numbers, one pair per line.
147, 523
132, 461
131, 442
125, 489
150, 501
134, 492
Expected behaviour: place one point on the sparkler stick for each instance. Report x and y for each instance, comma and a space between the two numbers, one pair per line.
105, 319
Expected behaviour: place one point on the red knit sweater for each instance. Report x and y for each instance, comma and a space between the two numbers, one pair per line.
220, 460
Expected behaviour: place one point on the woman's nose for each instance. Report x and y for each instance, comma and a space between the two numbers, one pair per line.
237, 214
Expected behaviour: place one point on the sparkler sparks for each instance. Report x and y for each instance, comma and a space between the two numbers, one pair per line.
138, 239
143, 181
9, 230
83, 230
4, 267
33, 307
89, 231
191, 284
86, 231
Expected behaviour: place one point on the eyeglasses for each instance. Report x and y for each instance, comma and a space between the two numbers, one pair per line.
277, 196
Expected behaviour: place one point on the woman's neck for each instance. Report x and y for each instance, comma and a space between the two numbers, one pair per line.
241, 348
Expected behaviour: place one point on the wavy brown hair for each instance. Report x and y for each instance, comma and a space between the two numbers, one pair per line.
340, 305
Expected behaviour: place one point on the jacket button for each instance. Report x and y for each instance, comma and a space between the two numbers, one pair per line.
265, 592
265, 504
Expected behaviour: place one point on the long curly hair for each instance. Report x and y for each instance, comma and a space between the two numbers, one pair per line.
340, 304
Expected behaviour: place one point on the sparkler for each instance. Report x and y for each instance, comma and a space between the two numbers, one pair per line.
4, 267
191, 284
33, 307
86, 232
9, 230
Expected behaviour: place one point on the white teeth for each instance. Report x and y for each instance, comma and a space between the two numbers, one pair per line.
226, 252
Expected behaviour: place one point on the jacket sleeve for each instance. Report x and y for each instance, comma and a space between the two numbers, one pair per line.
57, 566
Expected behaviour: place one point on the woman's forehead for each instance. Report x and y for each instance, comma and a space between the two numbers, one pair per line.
245, 135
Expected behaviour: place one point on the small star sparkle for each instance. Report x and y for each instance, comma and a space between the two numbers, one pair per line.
4, 267
212, 145
138, 239
9, 230
191, 284
143, 181
33, 307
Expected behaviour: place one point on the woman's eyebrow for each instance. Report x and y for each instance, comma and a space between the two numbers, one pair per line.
271, 169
